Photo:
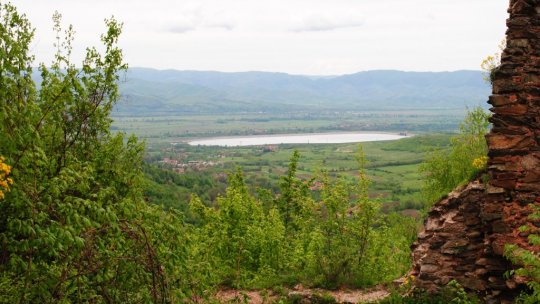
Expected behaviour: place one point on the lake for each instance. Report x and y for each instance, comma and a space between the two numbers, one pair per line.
312, 138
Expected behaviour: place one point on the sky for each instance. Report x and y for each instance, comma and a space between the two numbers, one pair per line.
309, 37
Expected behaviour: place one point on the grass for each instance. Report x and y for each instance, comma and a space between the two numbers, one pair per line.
171, 128
393, 165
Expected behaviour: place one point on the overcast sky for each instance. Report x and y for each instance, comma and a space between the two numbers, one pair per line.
316, 37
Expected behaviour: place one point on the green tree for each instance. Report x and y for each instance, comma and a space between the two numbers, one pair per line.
347, 241
444, 170
74, 227
293, 194
242, 243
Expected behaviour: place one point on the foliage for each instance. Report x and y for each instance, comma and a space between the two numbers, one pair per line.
168, 189
75, 227
331, 237
444, 170
238, 239
528, 260
293, 192
492, 62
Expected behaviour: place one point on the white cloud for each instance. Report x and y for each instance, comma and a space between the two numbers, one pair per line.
181, 28
319, 23
223, 24
298, 36
199, 19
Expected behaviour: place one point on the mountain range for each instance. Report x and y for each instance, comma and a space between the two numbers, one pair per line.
163, 92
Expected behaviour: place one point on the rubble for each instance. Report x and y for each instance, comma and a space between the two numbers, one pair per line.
465, 234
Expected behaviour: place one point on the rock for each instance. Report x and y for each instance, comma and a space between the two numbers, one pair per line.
466, 233
532, 177
482, 261
511, 284
499, 227
530, 162
473, 283
428, 268
517, 109
507, 142
480, 271
494, 190
501, 100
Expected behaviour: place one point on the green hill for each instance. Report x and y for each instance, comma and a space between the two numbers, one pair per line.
149, 91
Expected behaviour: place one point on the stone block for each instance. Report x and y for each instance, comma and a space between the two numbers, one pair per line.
530, 162
500, 227
507, 142
502, 100
515, 109
522, 186
473, 283
429, 268
506, 184
532, 176
495, 190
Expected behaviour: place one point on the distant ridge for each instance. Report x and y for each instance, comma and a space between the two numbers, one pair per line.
150, 91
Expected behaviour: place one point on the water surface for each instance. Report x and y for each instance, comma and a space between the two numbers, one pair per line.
312, 138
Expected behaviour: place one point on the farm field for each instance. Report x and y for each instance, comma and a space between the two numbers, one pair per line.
175, 170
177, 128
393, 166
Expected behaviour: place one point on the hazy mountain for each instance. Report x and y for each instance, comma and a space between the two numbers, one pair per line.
169, 91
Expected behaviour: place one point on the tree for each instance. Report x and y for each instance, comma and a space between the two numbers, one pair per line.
293, 194
74, 226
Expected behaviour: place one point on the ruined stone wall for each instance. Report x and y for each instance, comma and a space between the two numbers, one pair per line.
465, 234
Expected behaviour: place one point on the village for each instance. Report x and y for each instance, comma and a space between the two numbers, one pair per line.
181, 167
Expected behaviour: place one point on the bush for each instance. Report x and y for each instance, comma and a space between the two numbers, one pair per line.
444, 170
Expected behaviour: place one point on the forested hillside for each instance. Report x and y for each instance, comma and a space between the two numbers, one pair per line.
151, 92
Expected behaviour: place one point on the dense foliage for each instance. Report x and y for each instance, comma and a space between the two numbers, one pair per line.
171, 190
446, 169
74, 226
332, 237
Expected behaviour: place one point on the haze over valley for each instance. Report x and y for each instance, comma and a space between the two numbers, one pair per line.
169, 92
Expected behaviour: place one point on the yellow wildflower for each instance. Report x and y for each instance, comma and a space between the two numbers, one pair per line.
480, 162
5, 181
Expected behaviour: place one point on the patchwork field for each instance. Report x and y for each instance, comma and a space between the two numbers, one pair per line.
393, 166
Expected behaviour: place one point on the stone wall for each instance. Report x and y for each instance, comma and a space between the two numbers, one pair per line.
465, 234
